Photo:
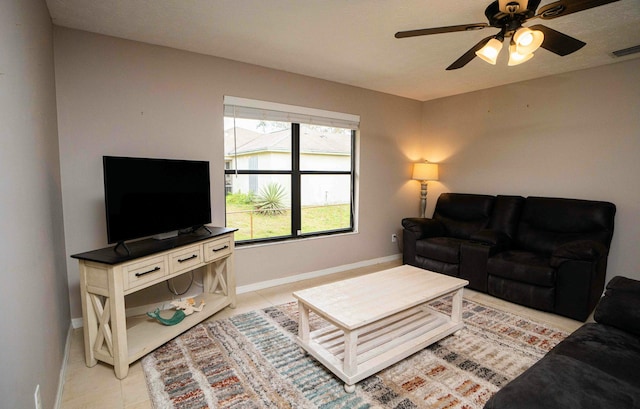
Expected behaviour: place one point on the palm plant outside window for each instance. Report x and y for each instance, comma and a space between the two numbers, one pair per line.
287, 180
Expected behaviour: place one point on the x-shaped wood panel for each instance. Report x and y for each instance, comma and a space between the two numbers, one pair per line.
103, 314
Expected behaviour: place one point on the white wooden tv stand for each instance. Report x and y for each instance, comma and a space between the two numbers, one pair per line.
107, 276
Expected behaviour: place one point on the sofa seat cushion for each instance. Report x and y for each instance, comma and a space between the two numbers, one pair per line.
445, 249
438, 266
595, 367
534, 296
522, 266
561, 382
606, 349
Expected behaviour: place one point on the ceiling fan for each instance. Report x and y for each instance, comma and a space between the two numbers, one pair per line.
508, 16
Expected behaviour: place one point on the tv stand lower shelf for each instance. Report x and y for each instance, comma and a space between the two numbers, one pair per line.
112, 337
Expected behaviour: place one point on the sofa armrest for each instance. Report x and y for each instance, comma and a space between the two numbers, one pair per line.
491, 238
415, 229
421, 227
620, 306
583, 250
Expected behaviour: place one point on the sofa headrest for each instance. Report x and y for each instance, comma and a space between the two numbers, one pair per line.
506, 214
568, 215
620, 306
549, 222
463, 214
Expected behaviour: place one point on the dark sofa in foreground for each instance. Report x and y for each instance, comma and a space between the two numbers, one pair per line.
541, 252
595, 367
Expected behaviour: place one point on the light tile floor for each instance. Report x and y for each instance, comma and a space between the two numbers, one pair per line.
98, 388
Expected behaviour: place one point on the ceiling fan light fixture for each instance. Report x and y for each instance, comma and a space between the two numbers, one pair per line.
490, 51
527, 40
516, 58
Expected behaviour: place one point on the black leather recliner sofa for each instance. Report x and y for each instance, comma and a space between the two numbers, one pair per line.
545, 253
596, 367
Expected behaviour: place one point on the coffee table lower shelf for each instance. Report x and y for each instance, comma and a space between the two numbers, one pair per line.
353, 355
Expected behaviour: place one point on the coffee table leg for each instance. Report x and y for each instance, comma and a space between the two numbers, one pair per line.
350, 363
303, 323
456, 308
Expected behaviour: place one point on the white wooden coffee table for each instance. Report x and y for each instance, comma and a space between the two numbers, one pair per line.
377, 319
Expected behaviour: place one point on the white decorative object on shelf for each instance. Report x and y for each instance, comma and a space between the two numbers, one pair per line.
188, 306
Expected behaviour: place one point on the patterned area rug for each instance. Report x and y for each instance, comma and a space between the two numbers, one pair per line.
252, 361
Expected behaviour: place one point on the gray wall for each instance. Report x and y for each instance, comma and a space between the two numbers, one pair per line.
119, 97
34, 296
574, 135
571, 135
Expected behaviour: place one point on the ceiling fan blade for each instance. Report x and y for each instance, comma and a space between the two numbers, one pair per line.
440, 30
563, 7
533, 5
469, 55
557, 42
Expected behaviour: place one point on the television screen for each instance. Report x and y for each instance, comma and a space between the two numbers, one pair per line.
144, 197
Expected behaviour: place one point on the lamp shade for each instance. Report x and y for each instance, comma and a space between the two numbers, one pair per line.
516, 58
425, 171
527, 40
490, 51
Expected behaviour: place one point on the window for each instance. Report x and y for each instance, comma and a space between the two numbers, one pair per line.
289, 171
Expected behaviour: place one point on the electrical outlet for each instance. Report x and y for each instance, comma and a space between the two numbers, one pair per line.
37, 398
394, 238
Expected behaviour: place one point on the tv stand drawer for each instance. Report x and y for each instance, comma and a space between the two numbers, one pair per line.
141, 273
185, 259
217, 249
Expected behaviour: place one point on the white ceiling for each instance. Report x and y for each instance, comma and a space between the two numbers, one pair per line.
352, 41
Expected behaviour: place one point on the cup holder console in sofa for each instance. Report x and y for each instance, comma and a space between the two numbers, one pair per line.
546, 253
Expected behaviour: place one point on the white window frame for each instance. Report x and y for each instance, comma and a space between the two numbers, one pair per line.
237, 107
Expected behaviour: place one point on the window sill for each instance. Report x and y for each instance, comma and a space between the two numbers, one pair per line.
242, 246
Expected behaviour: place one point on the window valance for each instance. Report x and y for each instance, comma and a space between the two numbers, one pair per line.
272, 111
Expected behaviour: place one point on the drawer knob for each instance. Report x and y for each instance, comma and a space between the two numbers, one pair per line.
220, 249
153, 270
182, 260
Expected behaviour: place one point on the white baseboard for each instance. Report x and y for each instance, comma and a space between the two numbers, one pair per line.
63, 369
77, 322
314, 274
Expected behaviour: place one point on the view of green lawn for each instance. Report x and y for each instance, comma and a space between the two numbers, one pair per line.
254, 225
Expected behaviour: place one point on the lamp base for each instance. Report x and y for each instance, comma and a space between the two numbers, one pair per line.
423, 198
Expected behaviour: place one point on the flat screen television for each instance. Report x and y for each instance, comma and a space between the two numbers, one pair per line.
146, 197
